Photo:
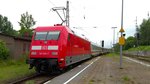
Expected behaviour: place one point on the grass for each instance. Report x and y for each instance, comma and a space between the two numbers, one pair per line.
112, 54
126, 78
91, 81
11, 69
30, 82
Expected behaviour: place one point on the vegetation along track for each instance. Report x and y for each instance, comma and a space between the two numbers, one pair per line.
35, 79
42, 78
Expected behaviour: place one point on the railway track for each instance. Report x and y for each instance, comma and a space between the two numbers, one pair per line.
35, 79
142, 58
42, 78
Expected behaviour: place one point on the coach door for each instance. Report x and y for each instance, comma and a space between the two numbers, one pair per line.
69, 45
69, 51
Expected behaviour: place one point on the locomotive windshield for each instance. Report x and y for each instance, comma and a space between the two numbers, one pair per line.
52, 35
40, 35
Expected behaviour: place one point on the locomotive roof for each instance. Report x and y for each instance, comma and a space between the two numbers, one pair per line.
57, 27
48, 28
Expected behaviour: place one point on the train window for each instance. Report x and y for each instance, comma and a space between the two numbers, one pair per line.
68, 36
40, 35
53, 35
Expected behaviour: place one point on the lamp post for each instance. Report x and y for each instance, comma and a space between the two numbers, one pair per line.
113, 37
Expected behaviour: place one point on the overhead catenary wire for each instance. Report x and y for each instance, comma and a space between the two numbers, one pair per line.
72, 7
51, 2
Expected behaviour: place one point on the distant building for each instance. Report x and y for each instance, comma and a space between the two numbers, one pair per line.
17, 45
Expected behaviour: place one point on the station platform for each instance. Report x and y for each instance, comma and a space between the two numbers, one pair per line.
105, 70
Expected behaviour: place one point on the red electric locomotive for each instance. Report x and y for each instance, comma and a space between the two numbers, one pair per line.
56, 47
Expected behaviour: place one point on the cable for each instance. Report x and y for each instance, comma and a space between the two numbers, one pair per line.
51, 3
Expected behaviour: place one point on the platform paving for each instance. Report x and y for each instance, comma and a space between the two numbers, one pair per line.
106, 70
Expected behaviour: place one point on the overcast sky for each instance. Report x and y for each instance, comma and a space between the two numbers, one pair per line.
103, 14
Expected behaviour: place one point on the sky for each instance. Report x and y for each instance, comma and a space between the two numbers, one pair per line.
102, 14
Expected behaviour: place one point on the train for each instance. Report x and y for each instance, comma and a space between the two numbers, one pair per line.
57, 47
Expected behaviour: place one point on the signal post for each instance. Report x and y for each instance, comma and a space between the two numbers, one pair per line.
121, 43
121, 39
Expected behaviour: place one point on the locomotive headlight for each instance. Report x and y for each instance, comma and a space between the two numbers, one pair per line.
33, 53
62, 59
54, 53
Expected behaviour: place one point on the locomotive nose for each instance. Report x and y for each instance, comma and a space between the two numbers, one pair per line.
45, 42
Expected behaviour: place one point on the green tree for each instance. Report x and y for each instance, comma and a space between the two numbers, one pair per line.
6, 26
26, 23
117, 47
145, 32
130, 42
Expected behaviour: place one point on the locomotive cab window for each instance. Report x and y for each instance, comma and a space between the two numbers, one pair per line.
68, 36
53, 35
40, 35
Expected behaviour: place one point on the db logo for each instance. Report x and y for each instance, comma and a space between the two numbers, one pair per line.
44, 47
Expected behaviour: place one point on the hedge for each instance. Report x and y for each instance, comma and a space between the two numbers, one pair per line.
4, 52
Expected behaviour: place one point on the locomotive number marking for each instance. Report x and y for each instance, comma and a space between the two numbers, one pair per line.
44, 48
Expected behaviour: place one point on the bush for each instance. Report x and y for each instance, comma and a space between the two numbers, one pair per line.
24, 57
4, 52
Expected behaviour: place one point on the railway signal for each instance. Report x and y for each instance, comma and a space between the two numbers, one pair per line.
102, 43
